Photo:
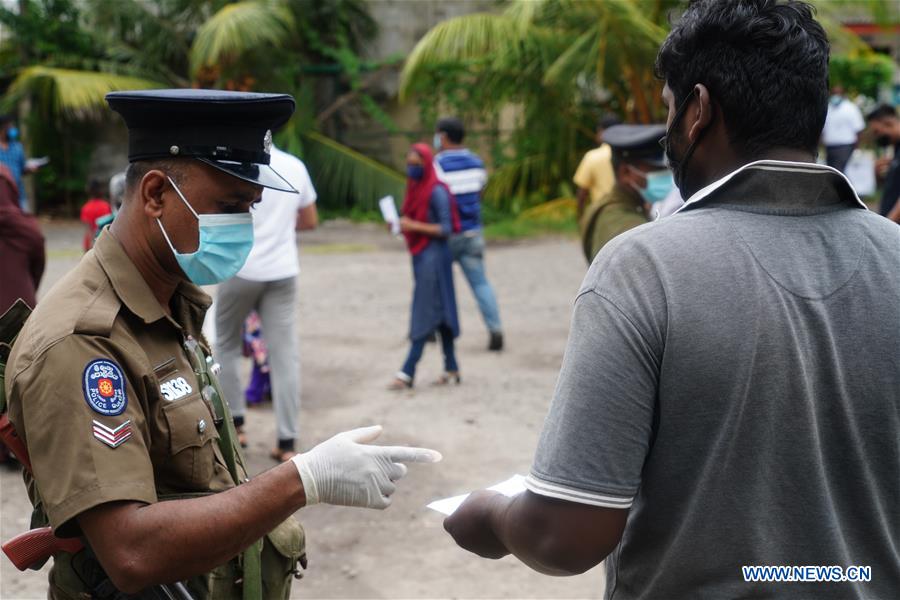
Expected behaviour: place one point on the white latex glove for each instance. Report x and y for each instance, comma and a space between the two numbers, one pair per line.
345, 471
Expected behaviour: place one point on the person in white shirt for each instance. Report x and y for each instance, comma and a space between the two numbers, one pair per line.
267, 283
841, 131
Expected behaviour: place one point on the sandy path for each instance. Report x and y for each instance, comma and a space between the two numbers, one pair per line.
354, 299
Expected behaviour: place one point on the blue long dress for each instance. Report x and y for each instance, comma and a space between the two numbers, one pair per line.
434, 299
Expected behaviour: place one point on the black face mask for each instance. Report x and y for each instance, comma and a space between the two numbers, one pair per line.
679, 165
883, 140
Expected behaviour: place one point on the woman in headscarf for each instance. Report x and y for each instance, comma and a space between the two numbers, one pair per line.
429, 216
21, 247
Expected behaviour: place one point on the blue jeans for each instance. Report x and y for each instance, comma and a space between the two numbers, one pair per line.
415, 353
468, 250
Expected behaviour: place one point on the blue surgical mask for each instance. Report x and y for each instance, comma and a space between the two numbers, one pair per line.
12, 134
659, 185
415, 171
835, 100
225, 243
437, 141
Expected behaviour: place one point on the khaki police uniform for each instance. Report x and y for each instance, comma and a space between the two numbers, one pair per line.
621, 209
104, 394
616, 213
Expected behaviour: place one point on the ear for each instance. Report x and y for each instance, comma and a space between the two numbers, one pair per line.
151, 189
701, 113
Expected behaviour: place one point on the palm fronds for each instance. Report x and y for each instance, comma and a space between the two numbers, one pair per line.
345, 178
238, 28
69, 93
474, 37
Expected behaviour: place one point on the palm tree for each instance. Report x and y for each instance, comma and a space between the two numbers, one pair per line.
555, 62
131, 44
276, 45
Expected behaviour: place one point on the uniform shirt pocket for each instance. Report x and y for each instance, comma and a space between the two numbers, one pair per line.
192, 435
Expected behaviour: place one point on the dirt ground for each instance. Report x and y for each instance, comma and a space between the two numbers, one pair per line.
355, 289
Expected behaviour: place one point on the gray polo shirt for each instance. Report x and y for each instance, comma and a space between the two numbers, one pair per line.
733, 376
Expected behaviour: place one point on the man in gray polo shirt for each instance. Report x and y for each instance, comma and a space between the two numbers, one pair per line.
730, 394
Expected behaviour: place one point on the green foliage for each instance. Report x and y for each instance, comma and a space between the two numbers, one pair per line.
270, 45
556, 65
68, 94
63, 56
238, 28
556, 217
346, 179
63, 69
862, 74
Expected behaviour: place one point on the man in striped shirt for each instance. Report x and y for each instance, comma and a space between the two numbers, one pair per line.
463, 172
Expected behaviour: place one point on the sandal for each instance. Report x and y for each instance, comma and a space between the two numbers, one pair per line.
401, 381
279, 455
448, 378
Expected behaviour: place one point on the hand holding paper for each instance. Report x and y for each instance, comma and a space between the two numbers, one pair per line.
511, 487
389, 212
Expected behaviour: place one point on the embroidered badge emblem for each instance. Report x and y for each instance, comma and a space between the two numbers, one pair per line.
104, 387
267, 142
112, 437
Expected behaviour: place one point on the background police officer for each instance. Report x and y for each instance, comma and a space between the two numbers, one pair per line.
642, 179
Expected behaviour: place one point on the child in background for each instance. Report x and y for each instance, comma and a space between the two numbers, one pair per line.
259, 388
95, 208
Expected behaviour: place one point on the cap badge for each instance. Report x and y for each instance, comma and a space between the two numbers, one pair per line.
267, 142
174, 150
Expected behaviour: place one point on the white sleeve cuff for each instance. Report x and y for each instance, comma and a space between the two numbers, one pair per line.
554, 490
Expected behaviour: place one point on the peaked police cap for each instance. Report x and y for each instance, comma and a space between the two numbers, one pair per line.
231, 131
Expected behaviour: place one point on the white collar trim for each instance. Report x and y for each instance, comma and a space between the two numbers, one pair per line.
770, 165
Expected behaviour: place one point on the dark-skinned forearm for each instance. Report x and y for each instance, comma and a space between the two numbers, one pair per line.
555, 537
174, 540
523, 535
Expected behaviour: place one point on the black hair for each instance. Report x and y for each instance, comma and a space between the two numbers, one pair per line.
765, 64
453, 127
4, 119
95, 188
882, 111
607, 121
174, 168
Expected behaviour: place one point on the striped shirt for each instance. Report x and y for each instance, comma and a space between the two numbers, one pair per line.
463, 172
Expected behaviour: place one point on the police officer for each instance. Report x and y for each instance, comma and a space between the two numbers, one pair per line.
642, 179
111, 386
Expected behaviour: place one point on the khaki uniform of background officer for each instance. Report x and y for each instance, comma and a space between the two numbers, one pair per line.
641, 179
110, 387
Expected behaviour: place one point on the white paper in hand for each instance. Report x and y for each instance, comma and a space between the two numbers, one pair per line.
513, 486
34, 163
389, 212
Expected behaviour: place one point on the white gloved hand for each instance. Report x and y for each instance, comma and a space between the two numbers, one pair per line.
345, 471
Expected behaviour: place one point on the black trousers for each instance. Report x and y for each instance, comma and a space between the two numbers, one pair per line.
839, 156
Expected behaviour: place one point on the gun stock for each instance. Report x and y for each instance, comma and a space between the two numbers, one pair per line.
37, 545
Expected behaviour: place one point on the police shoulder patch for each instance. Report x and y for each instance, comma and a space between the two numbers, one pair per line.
104, 387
